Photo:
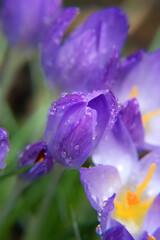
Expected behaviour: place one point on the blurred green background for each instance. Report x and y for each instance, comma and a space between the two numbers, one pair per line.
54, 207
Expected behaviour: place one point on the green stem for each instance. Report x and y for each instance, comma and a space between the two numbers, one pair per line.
37, 226
10, 204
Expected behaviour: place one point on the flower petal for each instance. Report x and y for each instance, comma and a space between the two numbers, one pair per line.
107, 208
117, 149
26, 23
72, 143
54, 37
117, 233
100, 183
4, 147
152, 220
141, 169
36, 153
76, 124
156, 234
84, 61
132, 119
139, 77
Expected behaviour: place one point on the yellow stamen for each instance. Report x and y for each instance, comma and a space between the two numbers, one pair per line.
149, 116
130, 207
141, 187
134, 92
151, 238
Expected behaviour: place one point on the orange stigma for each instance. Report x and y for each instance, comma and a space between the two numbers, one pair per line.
131, 208
132, 199
151, 238
134, 92
40, 157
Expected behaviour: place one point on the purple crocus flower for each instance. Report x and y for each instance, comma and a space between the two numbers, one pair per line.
25, 22
137, 201
138, 77
87, 59
76, 124
37, 154
4, 147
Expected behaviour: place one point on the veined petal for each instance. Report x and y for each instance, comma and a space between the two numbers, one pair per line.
106, 107
26, 23
156, 234
4, 147
117, 149
152, 220
100, 183
58, 109
72, 143
84, 61
117, 233
54, 37
141, 169
36, 153
145, 81
132, 119
105, 213
76, 124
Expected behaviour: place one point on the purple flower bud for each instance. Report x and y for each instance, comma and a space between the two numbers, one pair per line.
87, 59
24, 22
76, 124
37, 154
4, 147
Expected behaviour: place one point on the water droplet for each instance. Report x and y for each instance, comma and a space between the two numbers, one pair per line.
64, 94
20, 154
88, 111
28, 146
77, 147
63, 154
68, 160
99, 230
99, 216
63, 107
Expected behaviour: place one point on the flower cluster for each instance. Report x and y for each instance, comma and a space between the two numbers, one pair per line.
112, 114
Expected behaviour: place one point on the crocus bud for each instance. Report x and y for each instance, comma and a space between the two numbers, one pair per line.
38, 155
76, 124
86, 60
4, 147
24, 22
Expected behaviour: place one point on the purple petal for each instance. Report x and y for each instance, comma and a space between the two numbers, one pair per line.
4, 147
107, 208
152, 220
147, 83
144, 236
156, 234
117, 233
140, 77
58, 109
36, 153
26, 23
141, 169
76, 124
117, 149
132, 119
54, 37
106, 107
72, 143
100, 183
84, 61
